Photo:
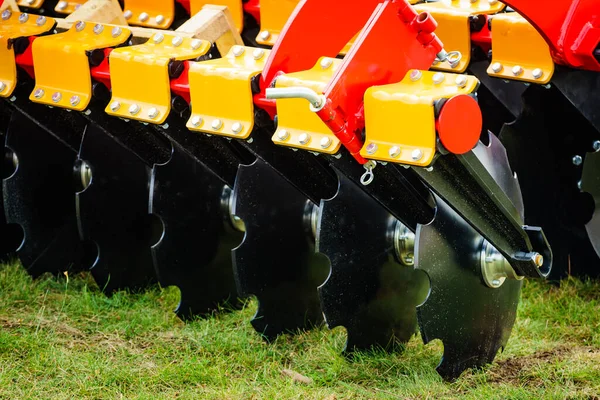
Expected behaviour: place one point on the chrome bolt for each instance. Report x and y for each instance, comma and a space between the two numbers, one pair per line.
79, 26
304, 138
177, 40
238, 50
196, 121
216, 124
265, 35
23, 18
415, 75
195, 44
492, 2
394, 151
152, 113
237, 127
56, 96
258, 54
416, 154
325, 142
30, 2
517, 70
497, 67
116, 31
128, 14
159, 37
371, 148
6, 14
98, 28
74, 100
144, 17
326, 63
38, 94
2, 86
595, 145
159, 19
114, 106
537, 73
438, 78
41, 20
134, 109
577, 160
61, 5
538, 259
283, 134
461, 81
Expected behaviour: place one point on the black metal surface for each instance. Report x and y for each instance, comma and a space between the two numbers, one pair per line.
113, 212
582, 89
276, 261
11, 234
472, 320
368, 291
194, 252
590, 183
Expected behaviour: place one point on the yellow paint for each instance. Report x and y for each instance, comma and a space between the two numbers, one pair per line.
274, 14
402, 115
476, 7
294, 115
61, 64
235, 8
220, 90
30, 3
151, 8
71, 6
139, 75
11, 29
516, 43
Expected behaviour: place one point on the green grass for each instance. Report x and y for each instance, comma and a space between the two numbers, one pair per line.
62, 338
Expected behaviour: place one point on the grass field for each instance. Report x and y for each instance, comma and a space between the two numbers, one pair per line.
62, 338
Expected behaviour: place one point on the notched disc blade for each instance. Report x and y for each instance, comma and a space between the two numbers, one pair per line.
40, 197
590, 183
113, 212
276, 261
194, 252
367, 291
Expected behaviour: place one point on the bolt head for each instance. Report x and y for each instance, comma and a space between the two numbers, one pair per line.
265, 35
283, 134
497, 67
325, 142
39, 93
394, 151
134, 109
41, 20
238, 50
176, 41
438, 78
159, 37
152, 113
79, 26
61, 5
258, 54
304, 138
114, 106
30, 2
595, 145
2, 86
326, 62
159, 19
74, 100
415, 75
461, 81
577, 160
371, 148
537, 73
144, 17
492, 2
416, 154
6, 14
98, 28
128, 14
237, 127
196, 121
195, 44
56, 96
216, 124
538, 259
116, 31
23, 18
517, 70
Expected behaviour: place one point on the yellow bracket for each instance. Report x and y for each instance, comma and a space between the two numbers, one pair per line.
400, 117
235, 8
221, 92
273, 17
519, 52
139, 75
68, 7
14, 25
30, 3
62, 69
150, 13
297, 125
475, 7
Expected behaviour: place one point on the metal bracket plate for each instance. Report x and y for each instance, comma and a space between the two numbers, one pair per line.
150, 13
297, 125
140, 76
519, 52
400, 118
274, 14
62, 69
475, 7
221, 93
68, 7
30, 3
235, 7
14, 25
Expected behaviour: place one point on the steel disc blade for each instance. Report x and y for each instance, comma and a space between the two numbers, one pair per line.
367, 291
113, 212
590, 183
40, 197
11, 234
276, 260
194, 252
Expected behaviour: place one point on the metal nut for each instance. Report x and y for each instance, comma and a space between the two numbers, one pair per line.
116, 31
371, 148
577, 160
159, 37
325, 142
497, 67
114, 106
283, 134
304, 138
537, 73
153, 113
238, 50
394, 151
23, 18
144, 17
237, 127
258, 54
159, 19
128, 14
216, 124
415, 75
177, 40
326, 62
265, 35
461, 81
438, 78
79, 26
74, 100
98, 28
196, 121
56, 96
517, 70
195, 44
134, 109
39, 93
416, 154
41, 20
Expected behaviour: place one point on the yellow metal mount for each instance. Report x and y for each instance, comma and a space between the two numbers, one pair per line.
61, 64
518, 51
297, 125
453, 27
400, 118
221, 92
273, 17
150, 13
14, 25
139, 75
30, 3
68, 7
235, 8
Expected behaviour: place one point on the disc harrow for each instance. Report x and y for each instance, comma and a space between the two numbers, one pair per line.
403, 170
